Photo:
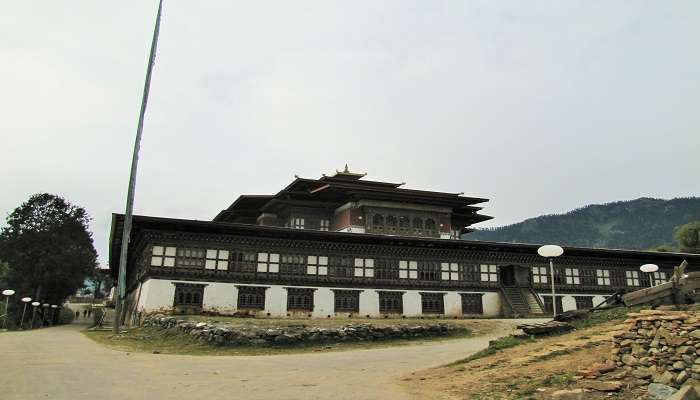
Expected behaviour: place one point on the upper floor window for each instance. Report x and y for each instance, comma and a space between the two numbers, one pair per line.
189, 257
244, 261
217, 259
293, 264
163, 256
572, 276
404, 222
317, 265
450, 271
268, 262
364, 267
391, 220
489, 273
429, 271
341, 267
539, 274
429, 224
386, 269
659, 277
470, 272
603, 277
417, 223
408, 269
325, 225
297, 223
632, 278
377, 220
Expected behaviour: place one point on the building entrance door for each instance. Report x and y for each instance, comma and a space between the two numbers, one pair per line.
507, 275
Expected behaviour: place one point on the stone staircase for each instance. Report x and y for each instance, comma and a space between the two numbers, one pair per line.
522, 301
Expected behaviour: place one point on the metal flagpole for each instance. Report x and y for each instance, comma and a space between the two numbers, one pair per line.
121, 282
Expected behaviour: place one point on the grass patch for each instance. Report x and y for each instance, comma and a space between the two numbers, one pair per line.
495, 346
558, 380
602, 316
170, 341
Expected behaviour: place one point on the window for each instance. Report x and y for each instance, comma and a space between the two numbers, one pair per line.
189, 258
572, 276
293, 264
659, 278
429, 271
539, 275
471, 303
489, 273
432, 303
300, 299
617, 277
364, 267
377, 220
404, 222
325, 225
391, 220
408, 269
297, 223
470, 272
217, 259
429, 224
188, 294
603, 277
268, 262
417, 223
632, 278
547, 300
588, 277
386, 269
583, 302
347, 300
391, 302
163, 256
342, 267
317, 265
450, 271
252, 297
245, 262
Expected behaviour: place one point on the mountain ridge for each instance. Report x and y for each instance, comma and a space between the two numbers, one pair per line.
637, 224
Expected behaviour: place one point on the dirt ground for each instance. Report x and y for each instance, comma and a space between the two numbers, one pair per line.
61, 363
531, 370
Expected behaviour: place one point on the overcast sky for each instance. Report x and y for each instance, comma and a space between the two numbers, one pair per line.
540, 106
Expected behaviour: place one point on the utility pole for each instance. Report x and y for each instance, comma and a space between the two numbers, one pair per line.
128, 215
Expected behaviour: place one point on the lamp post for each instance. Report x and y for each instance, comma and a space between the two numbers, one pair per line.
550, 251
650, 269
25, 300
53, 313
34, 306
7, 293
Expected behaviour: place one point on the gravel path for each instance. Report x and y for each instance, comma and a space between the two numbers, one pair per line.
61, 363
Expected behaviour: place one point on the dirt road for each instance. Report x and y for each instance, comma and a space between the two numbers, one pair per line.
61, 363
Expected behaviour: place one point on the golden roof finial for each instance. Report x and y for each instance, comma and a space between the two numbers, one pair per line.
346, 170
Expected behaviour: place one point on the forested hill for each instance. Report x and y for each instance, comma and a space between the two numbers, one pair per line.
637, 224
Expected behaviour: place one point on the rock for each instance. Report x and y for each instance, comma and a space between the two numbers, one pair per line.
602, 386
664, 378
688, 392
641, 373
629, 360
658, 391
682, 377
695, 334
679, 365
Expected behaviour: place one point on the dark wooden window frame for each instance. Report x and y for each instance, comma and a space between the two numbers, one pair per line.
583, 302
472, 303
346, 300
251, 297
188, 294
432, 302
300, 299
390, 302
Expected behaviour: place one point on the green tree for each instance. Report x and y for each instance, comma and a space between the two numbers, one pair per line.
688, 237
48, 248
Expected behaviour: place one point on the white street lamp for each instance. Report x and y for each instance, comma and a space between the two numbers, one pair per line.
550, 251
650, 269
53, 314
7, 293
25, 300
35, 304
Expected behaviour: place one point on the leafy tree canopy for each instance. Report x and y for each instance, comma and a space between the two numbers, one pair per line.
48, 248
688, 237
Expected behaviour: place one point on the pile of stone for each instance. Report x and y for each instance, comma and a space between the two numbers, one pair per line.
223, 334
660, 347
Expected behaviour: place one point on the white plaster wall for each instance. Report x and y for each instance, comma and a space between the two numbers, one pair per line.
568, 303
412, 303
491, 302
324, 302
157, 294
453, 304
597, 300
369, 303
444, 235
276, 301
220, 297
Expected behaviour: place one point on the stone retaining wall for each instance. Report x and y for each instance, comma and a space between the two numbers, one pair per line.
661, 347
221, 334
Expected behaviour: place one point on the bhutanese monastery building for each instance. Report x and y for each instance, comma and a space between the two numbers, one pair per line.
347, 246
